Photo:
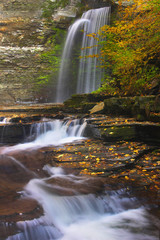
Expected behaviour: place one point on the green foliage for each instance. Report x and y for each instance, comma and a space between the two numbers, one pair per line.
43, 80
50, 7
130, 48
53, 45
108, 86
51, 57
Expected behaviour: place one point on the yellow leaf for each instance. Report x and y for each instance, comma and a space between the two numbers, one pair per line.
126, 155
154, 176
61, 155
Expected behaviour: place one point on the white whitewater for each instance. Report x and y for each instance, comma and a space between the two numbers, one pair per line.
88, 78
83, 217
4, 120
51, 133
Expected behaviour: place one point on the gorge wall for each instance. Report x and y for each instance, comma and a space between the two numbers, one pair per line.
20, 47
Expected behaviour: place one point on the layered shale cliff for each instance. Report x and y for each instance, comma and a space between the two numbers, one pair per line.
21, 32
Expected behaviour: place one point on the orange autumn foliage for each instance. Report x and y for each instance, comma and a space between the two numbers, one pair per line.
130, 48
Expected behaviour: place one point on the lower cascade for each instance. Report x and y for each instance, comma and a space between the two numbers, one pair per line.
48, 133
82, 76
71, 206
82, 217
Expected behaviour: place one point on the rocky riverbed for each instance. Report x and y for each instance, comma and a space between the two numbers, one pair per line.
117, 152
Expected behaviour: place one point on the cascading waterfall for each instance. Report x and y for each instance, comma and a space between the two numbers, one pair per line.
64, 83
54, 133
4, 120
82, 217
87, 77
69, 128
72, 210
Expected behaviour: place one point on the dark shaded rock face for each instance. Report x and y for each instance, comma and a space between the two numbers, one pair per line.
155, 88
131, 132
140, 107
14, 133
97, 3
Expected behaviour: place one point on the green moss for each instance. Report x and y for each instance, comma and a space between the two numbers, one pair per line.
50, 7
76, 100
51, 57
118, 133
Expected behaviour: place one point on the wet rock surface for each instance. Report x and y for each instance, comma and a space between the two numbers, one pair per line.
100, 162
132, 163
75, 186
16, 169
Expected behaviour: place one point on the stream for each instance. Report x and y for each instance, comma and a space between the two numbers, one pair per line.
67, 206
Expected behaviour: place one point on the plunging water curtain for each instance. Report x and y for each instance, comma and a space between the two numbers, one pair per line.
78, 73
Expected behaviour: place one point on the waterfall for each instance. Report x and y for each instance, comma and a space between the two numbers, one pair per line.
64, 84
51, 133
79, 216
87, 77
4, 120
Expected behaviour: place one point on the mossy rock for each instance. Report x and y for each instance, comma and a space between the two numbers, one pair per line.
97, 97
143, 106
76, 100
118, 133
148, 133
138, 107
87, 106
119, 106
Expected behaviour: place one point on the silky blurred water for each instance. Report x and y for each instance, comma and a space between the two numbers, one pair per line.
68, 214
111, 216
